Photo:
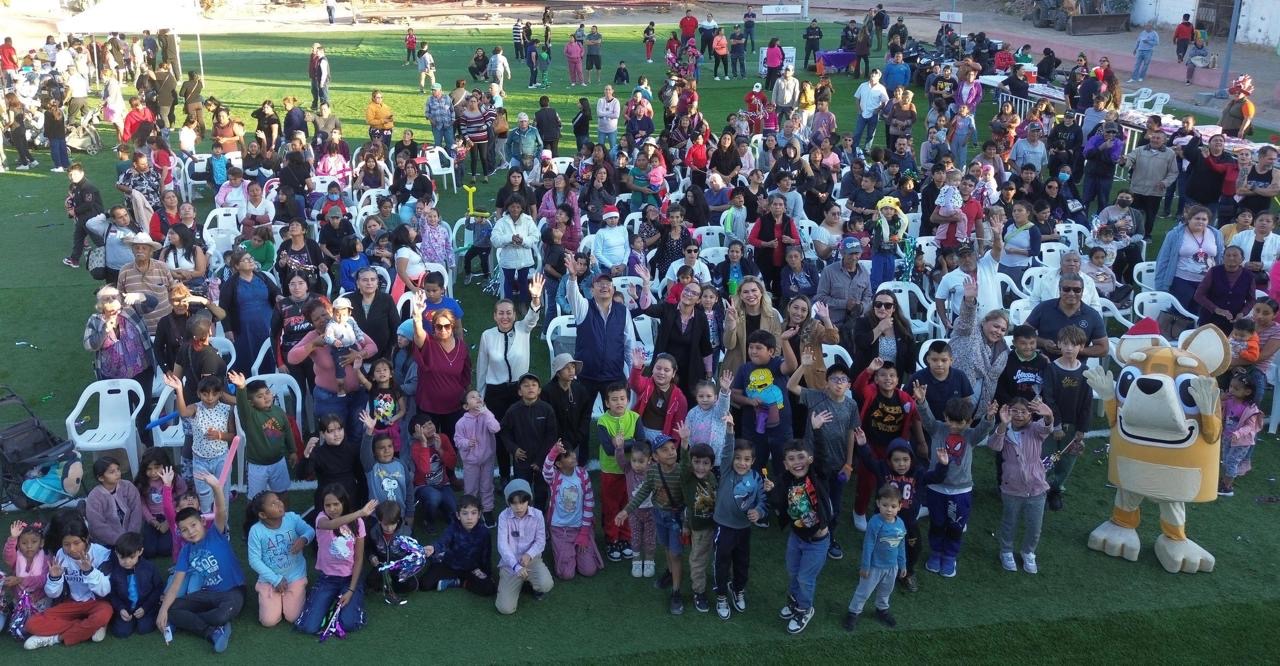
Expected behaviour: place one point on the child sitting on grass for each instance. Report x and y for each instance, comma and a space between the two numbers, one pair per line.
884, 559
340, 536
387, 523
136, 587
1023, 487
389, 478
28, 563
462, 556
113, 507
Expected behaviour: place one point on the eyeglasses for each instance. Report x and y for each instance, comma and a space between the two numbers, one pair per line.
882, 305
1071, 290
691, 250
838, 379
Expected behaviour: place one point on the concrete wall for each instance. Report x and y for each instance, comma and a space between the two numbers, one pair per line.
1259, 20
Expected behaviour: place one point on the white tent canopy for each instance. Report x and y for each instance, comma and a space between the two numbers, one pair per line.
134, 16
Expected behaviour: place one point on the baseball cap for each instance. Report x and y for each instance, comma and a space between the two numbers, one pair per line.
851, 245
437, 86
1035, 127
756, 87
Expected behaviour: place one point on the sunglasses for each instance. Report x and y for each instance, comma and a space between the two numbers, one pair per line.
692, 250
1071, 290
444, 325
881, 305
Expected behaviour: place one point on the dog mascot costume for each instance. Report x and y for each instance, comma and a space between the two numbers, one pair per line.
1166, 429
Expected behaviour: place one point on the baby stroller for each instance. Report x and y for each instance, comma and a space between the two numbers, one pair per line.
84, 138
36, 466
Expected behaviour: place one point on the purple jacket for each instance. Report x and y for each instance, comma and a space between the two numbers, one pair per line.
1101, 163
518, 536
1023, 471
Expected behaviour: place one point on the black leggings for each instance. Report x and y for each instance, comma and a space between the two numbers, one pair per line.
721, 60
480, 149
472, 253
499, 398
18, 139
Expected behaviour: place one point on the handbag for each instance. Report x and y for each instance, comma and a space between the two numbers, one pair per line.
501, 126
97, 263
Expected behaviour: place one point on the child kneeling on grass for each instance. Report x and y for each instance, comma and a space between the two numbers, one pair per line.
1023, 487
884, 558
340, 538
462, 556
206, 554
277, 538
572, 505
522, 536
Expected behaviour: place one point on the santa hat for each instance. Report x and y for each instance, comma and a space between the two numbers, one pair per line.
1143, 334
610, 211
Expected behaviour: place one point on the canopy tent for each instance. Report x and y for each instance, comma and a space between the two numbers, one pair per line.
134, 16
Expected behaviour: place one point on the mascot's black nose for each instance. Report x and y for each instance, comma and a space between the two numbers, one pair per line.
1149, 386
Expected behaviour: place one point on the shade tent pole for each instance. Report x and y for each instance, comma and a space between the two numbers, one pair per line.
200, 52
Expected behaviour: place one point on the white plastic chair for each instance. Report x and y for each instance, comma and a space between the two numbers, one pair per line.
675, 198
225, 348
710, 236
321, 183
1134, 99
267, 348
913, 224
1144, 275
219, 240
1152, 303
629, 286
385, 276
370, 197
561, 163
1019, 310
560, 328
1033, 275
436, 158
1051, 254
633, 221
1273, 378
328, 285
645, 335
1110, 311
115, 426
1008, 287
832, 352
713, 256
1076, 236
270, 188
905, 292
806, 228
928, 245
755, 144
363, 213
222, 218
171, 434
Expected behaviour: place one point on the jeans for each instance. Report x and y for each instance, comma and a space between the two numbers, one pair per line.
213, 466
835, 492
738, 62
443, 137
330, 10
1031, 511
867, 125
126, 628
347, 408
1141, 64
805, 560
882, 269
1097, 187
18, 139
155, 544
326, 590
879, 581
515, 284
433, 500
58, 151
607, 138
201, 612
749, 33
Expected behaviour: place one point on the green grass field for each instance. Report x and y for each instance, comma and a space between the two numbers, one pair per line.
1083, 605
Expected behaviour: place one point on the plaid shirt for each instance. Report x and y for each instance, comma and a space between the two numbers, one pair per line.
440, 111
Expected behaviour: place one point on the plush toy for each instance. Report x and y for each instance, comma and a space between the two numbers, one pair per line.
760, 385
1166, 427
56, 482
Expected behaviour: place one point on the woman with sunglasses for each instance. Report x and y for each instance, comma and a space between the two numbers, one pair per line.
885, 333
444, 365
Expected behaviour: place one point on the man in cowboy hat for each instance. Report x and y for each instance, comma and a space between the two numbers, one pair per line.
147, 276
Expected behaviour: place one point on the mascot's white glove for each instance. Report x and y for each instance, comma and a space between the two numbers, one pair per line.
1103, 382
1204, 391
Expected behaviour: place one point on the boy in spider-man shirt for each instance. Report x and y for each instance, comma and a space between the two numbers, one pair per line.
888, 413
901, 471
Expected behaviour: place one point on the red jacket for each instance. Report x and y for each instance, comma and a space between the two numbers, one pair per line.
1184, 30
688, 26
865, 391
422, 459
676, 410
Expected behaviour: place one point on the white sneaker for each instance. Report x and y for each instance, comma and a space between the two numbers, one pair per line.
58, 170
1006, 561
717, 78
23, 167
860, 522
1029, 563
637, 568
37, 642
1128, 80
649, 569
650, 61
99, 635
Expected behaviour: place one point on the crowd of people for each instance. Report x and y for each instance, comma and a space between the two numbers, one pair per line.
771, 375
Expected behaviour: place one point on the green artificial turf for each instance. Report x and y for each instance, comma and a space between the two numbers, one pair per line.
1083, 605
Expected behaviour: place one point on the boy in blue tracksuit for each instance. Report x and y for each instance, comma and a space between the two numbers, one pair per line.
950, 499
884, 558
900, 470
136, 587
463, 555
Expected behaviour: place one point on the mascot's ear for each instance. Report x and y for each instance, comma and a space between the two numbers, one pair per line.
1209, 345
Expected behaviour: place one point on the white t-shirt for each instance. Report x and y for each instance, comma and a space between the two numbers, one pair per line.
1195, 257
951, 288
416, 267
871, 98
701, 274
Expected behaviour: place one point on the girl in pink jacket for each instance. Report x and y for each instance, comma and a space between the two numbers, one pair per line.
474, 437
573, 53
26, 559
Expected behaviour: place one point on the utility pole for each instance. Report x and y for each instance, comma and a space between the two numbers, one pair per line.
1231, 43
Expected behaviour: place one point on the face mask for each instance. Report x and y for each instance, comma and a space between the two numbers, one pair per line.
333, 197
1064, 177
1123, 203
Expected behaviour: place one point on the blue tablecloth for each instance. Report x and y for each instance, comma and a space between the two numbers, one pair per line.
837, 59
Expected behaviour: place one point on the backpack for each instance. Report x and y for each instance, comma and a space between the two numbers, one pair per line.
882, 19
